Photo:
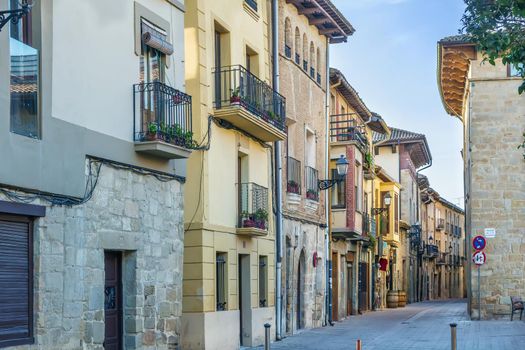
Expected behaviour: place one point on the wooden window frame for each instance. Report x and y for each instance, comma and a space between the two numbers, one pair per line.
30, 339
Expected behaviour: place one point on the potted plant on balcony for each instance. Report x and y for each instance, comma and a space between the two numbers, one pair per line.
247, 221
261, 216
151, 133
369, 161
311, 194
235, 98
292, 187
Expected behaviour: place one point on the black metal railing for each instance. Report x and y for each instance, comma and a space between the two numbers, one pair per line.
440, 224
305, 65
459, 231
287, 51
293, 170
318, 78
297, 58
442, 259
312, 72
236, 86
432, 250
344, 127
162, 113
311, 176
252, 4
253, 206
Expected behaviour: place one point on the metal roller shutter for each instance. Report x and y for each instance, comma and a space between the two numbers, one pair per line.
15, 281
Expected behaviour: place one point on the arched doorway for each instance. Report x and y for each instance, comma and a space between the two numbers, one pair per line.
301, 270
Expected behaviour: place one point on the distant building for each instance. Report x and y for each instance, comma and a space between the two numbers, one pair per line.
485, 99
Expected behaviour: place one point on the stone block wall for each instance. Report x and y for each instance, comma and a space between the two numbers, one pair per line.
496, 125
135, 214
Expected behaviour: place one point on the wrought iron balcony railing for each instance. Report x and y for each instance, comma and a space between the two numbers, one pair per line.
293, 170
287, 51
312, 72
318, 78
305, 65
312, 187
432, 250
253, 206
442, 259
366, 224
344, 127
236, 86
162, 113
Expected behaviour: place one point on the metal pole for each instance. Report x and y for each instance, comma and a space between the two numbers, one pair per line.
453, 342
278, 178
267, 336
358, 344
479, 293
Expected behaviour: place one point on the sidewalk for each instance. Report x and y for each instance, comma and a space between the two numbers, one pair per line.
420, 326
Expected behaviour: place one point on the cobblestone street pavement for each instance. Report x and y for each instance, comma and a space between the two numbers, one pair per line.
418, 326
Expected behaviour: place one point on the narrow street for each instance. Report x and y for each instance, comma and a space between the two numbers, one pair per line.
421, 326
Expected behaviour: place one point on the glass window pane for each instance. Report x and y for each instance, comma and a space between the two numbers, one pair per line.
24, 89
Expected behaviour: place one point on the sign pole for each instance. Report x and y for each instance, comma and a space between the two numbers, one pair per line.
479, 292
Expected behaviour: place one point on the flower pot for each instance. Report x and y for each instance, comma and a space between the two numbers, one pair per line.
235, 100
248, 223
150, 136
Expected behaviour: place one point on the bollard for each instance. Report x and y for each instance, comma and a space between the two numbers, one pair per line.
453, 336
267, 336
358, 344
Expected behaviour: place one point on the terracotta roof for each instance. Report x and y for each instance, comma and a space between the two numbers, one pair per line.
326, 17
23, 88
420, 151
451, 205
457, 39
350, 94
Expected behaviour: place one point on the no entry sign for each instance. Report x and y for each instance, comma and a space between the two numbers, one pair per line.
479, 243
479, 258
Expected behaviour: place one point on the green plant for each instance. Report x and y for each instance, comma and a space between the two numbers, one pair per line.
236, 92
245, 214
152, 128
522, 146
261, 214
497, 27
369, 160
373, 241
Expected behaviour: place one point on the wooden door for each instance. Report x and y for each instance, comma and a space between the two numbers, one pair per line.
113, 301
335, 287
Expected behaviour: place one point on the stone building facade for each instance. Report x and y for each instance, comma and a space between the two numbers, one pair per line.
303, 79
92, 175
485, 99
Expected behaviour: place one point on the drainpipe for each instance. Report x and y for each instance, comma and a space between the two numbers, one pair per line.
420, 282
328, 295
278, 179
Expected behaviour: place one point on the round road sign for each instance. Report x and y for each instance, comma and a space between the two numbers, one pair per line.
479, 243
479, 258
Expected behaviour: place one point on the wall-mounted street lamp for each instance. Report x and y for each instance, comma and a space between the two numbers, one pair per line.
342, 169
14, 15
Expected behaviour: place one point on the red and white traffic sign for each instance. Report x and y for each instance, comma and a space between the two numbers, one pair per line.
479, 258
479, 243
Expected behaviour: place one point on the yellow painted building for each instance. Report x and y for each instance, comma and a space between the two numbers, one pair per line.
229, 258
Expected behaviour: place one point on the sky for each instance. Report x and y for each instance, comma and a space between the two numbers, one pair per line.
391, 60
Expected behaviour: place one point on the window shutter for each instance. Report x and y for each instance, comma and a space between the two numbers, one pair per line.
156, 38
15, 282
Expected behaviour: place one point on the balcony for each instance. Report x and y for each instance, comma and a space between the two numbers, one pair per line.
252, 4
253, 207
162, 121
293, 176
344, 128
365, 224
318, 78
312, 72
312, 187
305, 65
248, 103
440, 226
442, 259
432, 251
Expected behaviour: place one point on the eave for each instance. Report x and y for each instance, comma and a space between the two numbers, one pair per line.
452, 73
325, 16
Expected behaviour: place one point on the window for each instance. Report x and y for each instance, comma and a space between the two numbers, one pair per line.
24, 77
297, 46
252, 4
263, 281
338, 192
358, 188
287, 38
513, 70
305, 52
152, 61
16, 281
220, 280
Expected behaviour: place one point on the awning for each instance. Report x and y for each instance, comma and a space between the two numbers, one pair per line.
156, 38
